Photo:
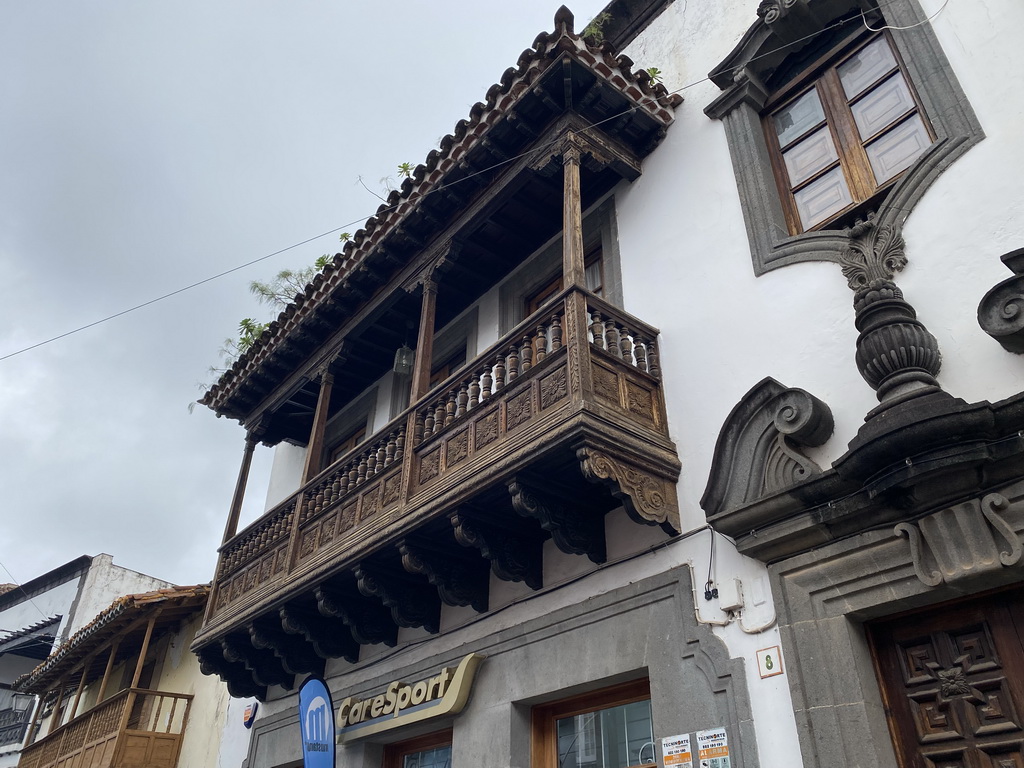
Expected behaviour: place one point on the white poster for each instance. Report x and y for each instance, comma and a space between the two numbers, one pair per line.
676, 751
713, 748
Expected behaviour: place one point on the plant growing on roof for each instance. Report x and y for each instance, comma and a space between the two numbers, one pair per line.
405, 169
595, 29
654, 73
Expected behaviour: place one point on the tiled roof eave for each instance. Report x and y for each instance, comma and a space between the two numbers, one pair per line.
501, 98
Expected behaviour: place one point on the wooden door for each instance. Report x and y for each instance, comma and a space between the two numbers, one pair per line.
952, 681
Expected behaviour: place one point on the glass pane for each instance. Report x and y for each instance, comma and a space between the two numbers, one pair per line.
822, 197
798, 118
883, 106
617, 737
865, 67
894, 151
438, 757
809, 156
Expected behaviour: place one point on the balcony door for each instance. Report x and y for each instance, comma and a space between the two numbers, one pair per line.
953, 683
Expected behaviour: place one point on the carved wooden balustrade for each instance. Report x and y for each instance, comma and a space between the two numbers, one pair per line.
571, 395
134, 727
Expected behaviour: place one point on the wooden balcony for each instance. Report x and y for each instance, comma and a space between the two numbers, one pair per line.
557, 423
136, 728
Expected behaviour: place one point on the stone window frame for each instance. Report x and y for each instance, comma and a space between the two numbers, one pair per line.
741, 77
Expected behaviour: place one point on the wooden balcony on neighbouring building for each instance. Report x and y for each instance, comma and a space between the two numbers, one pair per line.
135, 728
540, 436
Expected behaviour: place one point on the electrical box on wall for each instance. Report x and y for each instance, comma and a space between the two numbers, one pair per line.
730, 595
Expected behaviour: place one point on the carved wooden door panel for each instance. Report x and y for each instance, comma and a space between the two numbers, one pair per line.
952, 681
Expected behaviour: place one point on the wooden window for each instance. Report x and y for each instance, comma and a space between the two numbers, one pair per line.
610, 728
853, 125
347, 443
431, 751
593, 275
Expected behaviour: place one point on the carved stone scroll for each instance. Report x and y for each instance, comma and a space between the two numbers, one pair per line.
647, 498
368, 621
962, 541
575, 531
514, 555
296, 655
330, 638
1001, 311
460, 578
757, 453
412, 604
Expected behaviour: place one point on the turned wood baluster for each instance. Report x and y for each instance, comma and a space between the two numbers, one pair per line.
474, 393
556, 333
389, 450
353, 474
512, 360
597, 329
485, 383
337, 486
400, 444
381, 455
361, 471
371, 463
626, 345
640, 349
499, 372
611, 335
440, 412
461, 401
449, 409
344, 482
541, 343
424, 426
652, 359
526, 354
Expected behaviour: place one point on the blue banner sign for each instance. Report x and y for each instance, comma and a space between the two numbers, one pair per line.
316, 719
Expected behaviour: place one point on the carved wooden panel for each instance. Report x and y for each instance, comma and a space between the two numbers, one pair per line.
553, 388
606, 384
370, 503
953, 680
430, 466
640, 401
456, 448
392, 490
518, 410
485, 430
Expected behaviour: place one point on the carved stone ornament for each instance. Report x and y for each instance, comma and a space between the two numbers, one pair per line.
1001, 311
758, 449
962, 541
875, 252
647, 499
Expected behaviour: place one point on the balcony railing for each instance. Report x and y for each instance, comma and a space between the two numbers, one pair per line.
136, 727
579, 377
13, 723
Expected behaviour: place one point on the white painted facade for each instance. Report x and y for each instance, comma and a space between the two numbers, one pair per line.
686, 269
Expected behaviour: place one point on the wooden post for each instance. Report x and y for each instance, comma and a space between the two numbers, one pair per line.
56, 707
81, 686
573, 268
37, 717
106, 672
315, 449
231, 527
144, 650
424, 340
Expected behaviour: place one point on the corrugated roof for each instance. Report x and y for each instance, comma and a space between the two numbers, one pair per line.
174, 604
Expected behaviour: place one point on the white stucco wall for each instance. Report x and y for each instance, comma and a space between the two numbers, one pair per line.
104, 583
686, 269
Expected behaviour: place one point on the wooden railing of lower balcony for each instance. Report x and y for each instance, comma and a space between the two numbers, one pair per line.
136, 728
578, 375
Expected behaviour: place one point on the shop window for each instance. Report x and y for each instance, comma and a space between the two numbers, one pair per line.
610, 728
827, 119
845, 137
431, 751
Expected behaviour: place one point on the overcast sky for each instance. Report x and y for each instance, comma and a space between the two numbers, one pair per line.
146, 145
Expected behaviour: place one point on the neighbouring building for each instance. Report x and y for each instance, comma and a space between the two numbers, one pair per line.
38, 616
676, 395
124, 691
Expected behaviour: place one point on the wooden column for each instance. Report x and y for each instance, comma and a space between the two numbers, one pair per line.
37, 717
129, 703
56, 707
573, 268
106, 672
315, 449
424, 340
231, 527
78, 692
